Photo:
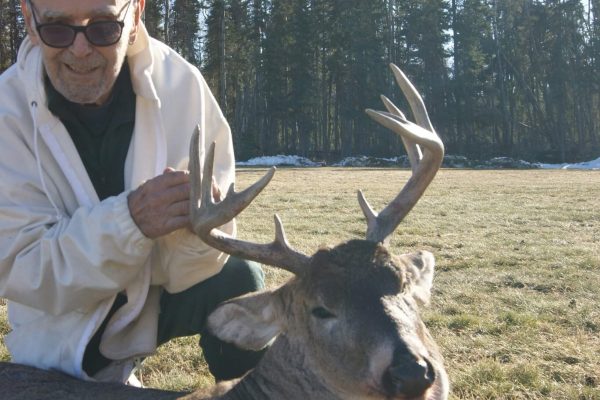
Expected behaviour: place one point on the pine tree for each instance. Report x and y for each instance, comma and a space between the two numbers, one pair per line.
154, 19
277, 45
184, 35
425, 27
472, 37
12, 32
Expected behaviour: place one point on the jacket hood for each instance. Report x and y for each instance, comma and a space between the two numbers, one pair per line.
141, 65
30, 63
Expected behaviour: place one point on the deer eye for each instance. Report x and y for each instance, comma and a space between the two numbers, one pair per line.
322, 313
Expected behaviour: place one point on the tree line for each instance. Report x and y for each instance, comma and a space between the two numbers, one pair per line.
515, 78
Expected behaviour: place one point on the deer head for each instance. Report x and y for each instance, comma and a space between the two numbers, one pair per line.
348, 319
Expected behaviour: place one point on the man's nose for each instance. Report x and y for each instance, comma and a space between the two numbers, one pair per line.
81, 47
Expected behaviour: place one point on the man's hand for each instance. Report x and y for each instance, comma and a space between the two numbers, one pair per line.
161, 205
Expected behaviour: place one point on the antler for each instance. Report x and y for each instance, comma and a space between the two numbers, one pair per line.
206, 215
425, 163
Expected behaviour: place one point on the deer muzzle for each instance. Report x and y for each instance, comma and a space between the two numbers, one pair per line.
408, 377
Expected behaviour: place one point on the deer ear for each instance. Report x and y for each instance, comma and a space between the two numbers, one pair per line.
250, 322
420, 268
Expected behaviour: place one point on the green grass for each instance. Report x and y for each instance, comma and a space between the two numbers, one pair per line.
516, 302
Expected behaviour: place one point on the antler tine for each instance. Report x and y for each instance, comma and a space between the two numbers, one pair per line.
414, 98
207, 215
425, 152
413, 151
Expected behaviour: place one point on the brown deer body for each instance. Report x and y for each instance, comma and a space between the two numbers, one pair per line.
347, 325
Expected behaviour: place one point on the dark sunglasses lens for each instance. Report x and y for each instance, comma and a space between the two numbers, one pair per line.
57, 35
104, 33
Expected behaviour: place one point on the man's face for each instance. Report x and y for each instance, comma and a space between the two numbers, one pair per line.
82, 72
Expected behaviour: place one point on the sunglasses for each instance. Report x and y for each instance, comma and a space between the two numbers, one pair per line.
99, 33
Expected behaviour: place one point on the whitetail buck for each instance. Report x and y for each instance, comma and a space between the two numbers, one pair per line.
346, 326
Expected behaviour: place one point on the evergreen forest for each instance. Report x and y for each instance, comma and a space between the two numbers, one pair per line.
517, 78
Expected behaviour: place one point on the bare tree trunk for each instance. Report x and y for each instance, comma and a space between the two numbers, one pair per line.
167, 21
222, 70
504, 107
458, 140
15, 33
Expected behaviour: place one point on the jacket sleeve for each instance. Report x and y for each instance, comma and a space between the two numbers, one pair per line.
59, 263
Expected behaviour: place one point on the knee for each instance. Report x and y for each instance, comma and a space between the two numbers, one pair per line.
243, 276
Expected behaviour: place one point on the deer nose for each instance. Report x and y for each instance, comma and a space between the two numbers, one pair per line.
408, 376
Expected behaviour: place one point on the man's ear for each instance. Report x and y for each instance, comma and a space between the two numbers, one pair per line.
250, 321
139, 11
420, 268
29, 22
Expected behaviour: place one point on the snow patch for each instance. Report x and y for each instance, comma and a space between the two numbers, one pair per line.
591, 165
269, 161
450, 161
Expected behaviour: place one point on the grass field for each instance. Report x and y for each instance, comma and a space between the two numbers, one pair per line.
516, 302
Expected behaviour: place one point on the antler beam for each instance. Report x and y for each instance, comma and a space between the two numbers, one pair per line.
425, 152
207, 215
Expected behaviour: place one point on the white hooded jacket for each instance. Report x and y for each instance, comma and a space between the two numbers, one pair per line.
64, 255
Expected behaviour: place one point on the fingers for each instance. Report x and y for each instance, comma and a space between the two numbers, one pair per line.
161, 205
169, 187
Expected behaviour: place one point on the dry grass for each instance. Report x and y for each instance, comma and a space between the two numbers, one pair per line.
516, 295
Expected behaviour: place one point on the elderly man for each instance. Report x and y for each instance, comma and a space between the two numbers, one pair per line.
96, 257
